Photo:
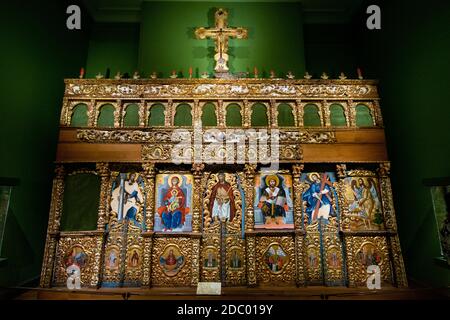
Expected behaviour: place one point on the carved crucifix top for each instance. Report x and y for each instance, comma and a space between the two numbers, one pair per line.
220, 34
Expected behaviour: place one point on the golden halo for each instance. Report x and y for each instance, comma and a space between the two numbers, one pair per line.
180, 179
130, 173
272, 177
313, 174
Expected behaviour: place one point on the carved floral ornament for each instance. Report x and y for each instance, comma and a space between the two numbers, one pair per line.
241, 88
209, 136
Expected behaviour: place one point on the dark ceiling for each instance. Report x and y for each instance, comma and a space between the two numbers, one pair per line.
314, 11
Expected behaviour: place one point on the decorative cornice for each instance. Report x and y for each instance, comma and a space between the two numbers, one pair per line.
220, 89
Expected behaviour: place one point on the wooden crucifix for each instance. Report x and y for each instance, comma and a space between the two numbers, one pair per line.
220, 34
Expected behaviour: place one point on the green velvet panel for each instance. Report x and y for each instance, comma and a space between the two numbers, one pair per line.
79, 116
233, 117
285, 116
337, 115
131, 118
80, 204
209, 118
311, 116
106, 116
183, 116
156, 116
363, 116
259, 115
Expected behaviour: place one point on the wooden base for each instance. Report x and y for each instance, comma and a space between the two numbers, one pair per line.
235, 293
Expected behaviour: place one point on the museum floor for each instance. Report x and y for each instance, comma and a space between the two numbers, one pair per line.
237, 293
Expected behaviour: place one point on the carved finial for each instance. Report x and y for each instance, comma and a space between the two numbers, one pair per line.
118, 76
136, 75
205, 75
342, 76
154, 75
272, 74
197, 168
59, 170
307, 75
174, 74
297, 169
290, 75
102, 168
385, 169
99, 76
149, 168
249, 169
324, 76
341, 170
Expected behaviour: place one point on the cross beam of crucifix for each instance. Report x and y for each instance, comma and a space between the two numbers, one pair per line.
220, 34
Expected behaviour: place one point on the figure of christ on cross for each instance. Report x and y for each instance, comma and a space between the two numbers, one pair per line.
220, 34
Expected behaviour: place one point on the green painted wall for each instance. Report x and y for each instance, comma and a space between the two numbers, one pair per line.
38, 52
410, 57
113, 46
168, 41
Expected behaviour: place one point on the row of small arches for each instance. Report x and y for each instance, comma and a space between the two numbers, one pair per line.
259, 117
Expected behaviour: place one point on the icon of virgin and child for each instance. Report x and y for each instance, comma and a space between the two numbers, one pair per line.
173, 210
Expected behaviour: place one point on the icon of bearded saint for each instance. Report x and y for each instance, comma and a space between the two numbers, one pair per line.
221, 204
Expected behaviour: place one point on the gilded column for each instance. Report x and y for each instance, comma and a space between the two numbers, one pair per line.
119, 109
53, 227
196, 112
103, 172
351, 261
197, 169
273, 112
142, 113
247, 114
326, 113
195, 240
64, 119
300, 112
220, 114
149, 176
249, 172
351, 113
300, 279
92, 113
391, 225
378, 115
168, 118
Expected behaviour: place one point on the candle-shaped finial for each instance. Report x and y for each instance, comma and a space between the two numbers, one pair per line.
81, 73
190, 72
255, 72
359, 73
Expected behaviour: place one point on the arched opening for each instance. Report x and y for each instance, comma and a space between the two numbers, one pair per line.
106, 116
156, 116
209, 118
363, 116
337, 115
233, 117
79, 116
183, 116
131, 118
259, 115
285, 116
80, 202
311, 117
